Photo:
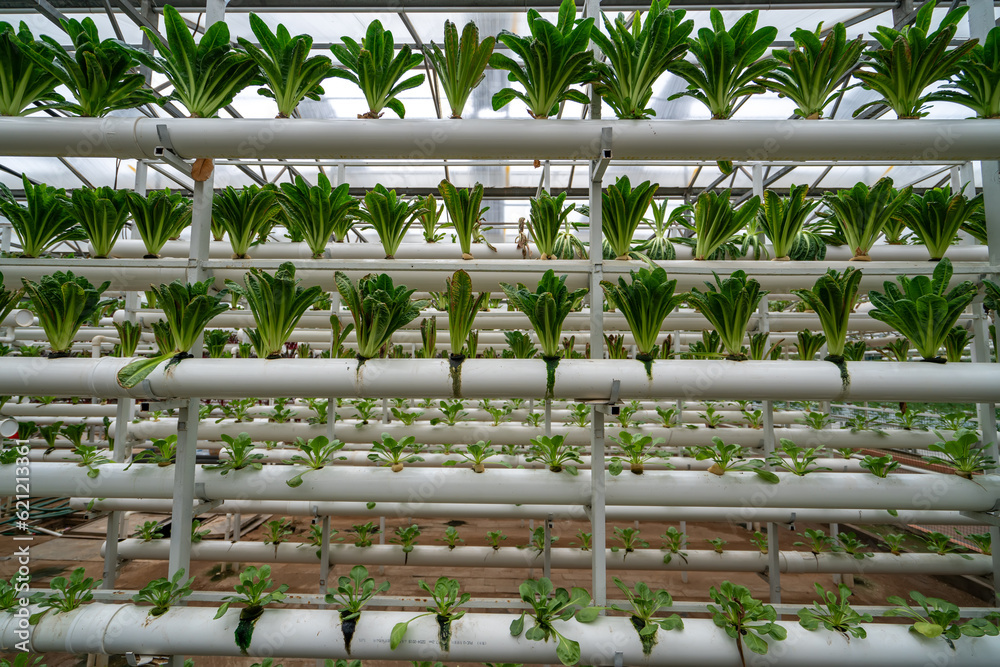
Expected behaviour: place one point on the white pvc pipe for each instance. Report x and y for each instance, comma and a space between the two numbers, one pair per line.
308, 633
508, 511
577, 379
32, 410
697, 560
417, 485
19, 317
499, 139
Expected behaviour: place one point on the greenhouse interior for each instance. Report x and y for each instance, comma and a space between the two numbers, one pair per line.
493, 332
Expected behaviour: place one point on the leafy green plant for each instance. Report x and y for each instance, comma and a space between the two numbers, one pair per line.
239, 454
101, 213
745, 619
555, 57
44, 222
100, 75
977, 81
90, 458
164, 592
24, 86
68, 594
463, 209
644, 604
797, 460
621, 212
461, 65
406, 537
188, 308
63, 302
962, 453
251, 591
11, 595
130, 334
941, 544
446, 601
463, 305
147, 531
912, 59
205, 76
833, 298
520, 344
880, 466
494, 538
895, 542
922, 308
549, 604
317, 212
353, 593
429, 216
811, 73
983, 541
452, 412
781, 219
717, 544
645, 304
659, 247
849, 544
730, 457
630, 541
158, 217
316, 453
936, 216
364, 534
729, 63
818, 541
392, 452
451, 538
390, 216
673, 541
376, 68
834, 613
277, 303
637, 55
955, 343
277, 531
861, 213
554, 453
379, 309
290, 73
809, 344
939, 618
548, 216
728, 305
715, 221
759, 540
854, 351
477, 454
245, 214
637, 450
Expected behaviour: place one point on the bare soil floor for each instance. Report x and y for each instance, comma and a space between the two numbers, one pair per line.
51, 557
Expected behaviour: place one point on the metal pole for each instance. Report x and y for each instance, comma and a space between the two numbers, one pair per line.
982, 18
548, 417
596, 267
597, 509
547, 549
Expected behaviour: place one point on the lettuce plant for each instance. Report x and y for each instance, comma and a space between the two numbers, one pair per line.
246, 215
9, 298
936, 216
289, 72
45, 221
520, 345
833, 298
406, 537
239, 455
911, 59
781, 219
159, 216
102, 213
933, 618
206, 76
63, 302
68, 594
835, 613
922, 308
715, 221
319, 211
429, 216
554, 454
379, 309
277, 303
446, 600
187, 308
548, 215
728, 306
730, 457
808, 344
862, 212
659, 247
101, 76
645, 303
637, 451
555, 57
799, 461
251, 590
729, 63
962, 453
477, 454
461, 65
621, 212
25, 87
353, 593
977, 83
811, 73
164, 592
376, 68
316, 453
744, 618
638, 55
391, 452
463, 209
389, 215
549, 604
643, 605
463, 304
956, 342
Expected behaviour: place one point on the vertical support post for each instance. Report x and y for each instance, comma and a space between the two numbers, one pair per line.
986, 412
598, 545
597, 169
183, 505
592, 9
548, 417
547, 549
5, 232
324, 556
773, 546
995, 535
982, 18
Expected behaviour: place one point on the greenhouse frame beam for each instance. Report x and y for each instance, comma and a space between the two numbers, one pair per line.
138, 138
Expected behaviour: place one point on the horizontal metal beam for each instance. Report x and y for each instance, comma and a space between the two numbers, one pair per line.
927, 140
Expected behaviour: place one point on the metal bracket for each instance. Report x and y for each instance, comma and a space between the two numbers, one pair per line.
985, 517
601, 163
175, 404
204, 503
610, 406
619, 659
167, 153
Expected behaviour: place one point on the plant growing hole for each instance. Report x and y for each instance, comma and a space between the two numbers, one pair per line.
364, 534
46, 221
638, 450
406, 537
818, 541
730, 457
90, 458
353, 593
942, 545
477, 454
102, 213
861, 213
494, 538
849, 544
315, 213
148, 530
392, 452
239, 455
939, 618
834, 613
745, 619
277, 531
880, 466
673, 541
447, 599
797, 460
390, 216
451, 538
162, 593
251, 592
759, 540
645, 603
629, 537
548, 216
316, 453
717, 544
621, 212
586, 540
554, 453
548, 605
